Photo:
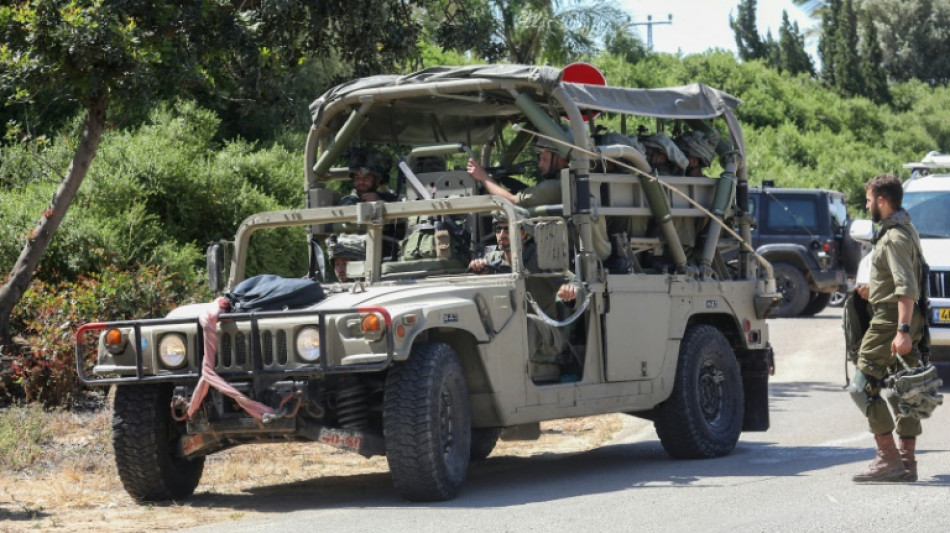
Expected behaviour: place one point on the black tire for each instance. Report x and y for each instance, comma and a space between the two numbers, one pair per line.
427, 424
816, 303
483, 442
794, 288
145, 440
703, 417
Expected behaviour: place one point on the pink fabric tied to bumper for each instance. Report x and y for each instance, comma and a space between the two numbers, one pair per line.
209, 378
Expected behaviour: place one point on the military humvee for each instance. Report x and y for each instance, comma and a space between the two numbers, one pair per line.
425, 363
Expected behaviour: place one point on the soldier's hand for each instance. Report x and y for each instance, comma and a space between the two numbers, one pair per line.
476, 170
478, 266
369, 197
863, 291
901, 344
567, 292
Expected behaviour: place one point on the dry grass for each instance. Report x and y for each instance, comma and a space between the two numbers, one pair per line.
67, 480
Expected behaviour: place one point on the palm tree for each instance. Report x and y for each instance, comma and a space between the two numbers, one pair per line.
555, 31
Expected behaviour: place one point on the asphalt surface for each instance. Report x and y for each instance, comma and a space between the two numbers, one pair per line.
794, 477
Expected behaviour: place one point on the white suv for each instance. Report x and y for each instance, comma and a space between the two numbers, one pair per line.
927, 199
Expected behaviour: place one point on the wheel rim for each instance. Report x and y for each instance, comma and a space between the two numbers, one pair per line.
447, 422
712, 396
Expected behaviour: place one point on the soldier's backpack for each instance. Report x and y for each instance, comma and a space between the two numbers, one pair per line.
268, 292
433, 243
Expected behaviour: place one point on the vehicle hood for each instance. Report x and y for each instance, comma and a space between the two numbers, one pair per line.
936, 252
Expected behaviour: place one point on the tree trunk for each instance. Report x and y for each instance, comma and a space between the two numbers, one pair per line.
46, 227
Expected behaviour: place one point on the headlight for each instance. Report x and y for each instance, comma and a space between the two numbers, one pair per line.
172, 350
308, 344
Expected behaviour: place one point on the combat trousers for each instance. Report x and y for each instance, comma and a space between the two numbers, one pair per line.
877, 362
546, 343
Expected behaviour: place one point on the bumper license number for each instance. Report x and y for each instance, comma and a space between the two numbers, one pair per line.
942, 315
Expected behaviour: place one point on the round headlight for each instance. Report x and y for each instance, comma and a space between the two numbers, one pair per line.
308, 344
172, 350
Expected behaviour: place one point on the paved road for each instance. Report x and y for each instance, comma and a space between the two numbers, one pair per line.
795, 477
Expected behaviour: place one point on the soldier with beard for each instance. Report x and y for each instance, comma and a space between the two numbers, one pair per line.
896, 328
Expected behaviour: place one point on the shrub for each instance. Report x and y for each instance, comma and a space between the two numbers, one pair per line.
47, 317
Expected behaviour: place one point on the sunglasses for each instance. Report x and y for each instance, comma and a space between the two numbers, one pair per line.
500, 229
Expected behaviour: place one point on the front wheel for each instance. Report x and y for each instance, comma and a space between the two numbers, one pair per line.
703, 416
145, 439
427, 424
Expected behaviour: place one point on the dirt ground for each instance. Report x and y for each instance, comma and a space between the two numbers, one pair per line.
74, 486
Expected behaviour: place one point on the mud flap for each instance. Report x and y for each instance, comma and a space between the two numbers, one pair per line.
756, 369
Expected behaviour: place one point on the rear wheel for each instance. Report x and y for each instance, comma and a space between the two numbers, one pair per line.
145, 439
817, 303
793, 286
703, 416
427, 424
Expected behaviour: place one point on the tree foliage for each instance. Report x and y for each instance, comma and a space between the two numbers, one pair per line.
748, 41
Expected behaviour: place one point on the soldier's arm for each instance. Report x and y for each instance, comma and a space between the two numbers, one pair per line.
491, 186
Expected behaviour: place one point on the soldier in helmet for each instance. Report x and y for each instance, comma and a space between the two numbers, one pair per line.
547, 191
546, 343
369, 170
699, 148
663, 155
342, 249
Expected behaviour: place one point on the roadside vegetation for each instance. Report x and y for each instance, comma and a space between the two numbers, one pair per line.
179, 166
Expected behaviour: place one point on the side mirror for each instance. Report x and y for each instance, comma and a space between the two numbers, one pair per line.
215, 260
862, 230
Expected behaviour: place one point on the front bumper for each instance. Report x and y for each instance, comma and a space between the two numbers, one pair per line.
247, 348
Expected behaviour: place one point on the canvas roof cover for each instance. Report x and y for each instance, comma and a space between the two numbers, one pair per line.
470, 103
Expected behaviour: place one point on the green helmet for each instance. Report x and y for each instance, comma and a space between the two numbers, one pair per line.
662, 143
699, 144
371, 161
347, 247
542, 144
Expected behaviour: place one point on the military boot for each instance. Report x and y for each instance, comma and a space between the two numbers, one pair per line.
887, 466
906, 448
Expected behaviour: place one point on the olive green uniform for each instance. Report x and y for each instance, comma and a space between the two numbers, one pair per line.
895, 272
546, 343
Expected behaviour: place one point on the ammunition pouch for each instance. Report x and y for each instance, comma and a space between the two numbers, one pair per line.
859, 391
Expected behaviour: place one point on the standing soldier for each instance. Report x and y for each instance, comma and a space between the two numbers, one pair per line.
896, 328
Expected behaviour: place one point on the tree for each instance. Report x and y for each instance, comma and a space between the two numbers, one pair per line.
113, 54
913, 36
793, 57
532, 31
748, 41
847, 63
872, 64
828, 42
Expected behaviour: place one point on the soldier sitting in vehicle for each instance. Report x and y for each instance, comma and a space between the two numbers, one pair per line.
699, 148
547, 191
546, 343
663, 155
341, 249
369, 170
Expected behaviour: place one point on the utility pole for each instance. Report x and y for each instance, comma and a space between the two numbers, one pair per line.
649, 24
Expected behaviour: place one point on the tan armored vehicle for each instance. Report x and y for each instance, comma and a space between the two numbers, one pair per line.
420, 360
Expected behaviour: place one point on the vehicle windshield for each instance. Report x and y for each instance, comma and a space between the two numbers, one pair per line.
930, 213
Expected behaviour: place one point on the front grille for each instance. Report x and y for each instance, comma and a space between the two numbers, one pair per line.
939, 284
235, 350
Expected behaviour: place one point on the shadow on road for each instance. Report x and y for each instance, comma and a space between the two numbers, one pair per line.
513, 481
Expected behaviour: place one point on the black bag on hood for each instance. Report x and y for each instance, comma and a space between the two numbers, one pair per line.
268, 292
